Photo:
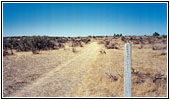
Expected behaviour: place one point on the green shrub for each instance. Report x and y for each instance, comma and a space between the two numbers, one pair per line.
156, 34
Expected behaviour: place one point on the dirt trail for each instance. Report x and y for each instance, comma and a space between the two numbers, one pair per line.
60, 81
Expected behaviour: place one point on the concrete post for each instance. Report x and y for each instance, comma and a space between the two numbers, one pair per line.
127, 71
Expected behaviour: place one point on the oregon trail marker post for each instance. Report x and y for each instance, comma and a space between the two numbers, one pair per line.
127, 71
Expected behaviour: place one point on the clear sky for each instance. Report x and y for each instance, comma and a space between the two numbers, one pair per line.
83, 19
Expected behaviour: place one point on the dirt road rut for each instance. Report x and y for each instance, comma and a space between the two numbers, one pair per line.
60, 81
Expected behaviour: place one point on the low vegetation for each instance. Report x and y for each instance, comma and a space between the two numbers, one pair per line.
83, 66
38, 43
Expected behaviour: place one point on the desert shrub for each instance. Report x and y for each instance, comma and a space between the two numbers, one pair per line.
35, 51
113, 78
94, 37
81, 45
150, 41
141, 46
164, 41
5, 43
136, 42
112, 46
109, 45
131, 38
74, 50
62, 40
140, 39
159, 47
25, 44
79, 42
76, 43
41, 43
86, 40
123, 38
8, 44
5, 52
89, 36
31, 43
61, 45
155, 48
106, 43
164, 36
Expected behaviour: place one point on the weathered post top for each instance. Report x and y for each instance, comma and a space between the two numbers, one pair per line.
127, 71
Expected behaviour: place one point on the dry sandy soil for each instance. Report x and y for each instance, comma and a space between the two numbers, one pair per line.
86, 73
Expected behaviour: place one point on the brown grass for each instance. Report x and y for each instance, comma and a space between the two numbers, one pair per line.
91, 72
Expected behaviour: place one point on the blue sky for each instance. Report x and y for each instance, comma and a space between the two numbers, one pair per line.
83, 19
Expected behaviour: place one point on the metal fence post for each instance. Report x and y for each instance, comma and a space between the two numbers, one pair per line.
127, 71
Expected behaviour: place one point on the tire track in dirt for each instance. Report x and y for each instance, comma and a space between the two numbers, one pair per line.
60, 81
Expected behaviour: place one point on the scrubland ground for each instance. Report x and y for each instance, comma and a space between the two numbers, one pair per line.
92, 71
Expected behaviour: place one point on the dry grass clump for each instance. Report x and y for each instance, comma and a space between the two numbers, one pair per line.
156, 47
163, 52
155, 83
102, 51
74, 50
113, 78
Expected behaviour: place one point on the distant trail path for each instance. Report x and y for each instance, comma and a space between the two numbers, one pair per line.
60, 81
